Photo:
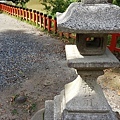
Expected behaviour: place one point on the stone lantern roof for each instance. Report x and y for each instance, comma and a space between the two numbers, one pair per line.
90, 16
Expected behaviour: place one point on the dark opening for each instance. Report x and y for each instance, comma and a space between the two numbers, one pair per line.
94, 42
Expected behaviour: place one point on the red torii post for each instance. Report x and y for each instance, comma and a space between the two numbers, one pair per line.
113, 42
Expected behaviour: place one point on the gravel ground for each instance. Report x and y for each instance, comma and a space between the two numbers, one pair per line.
30, 61
33, 63
22, 49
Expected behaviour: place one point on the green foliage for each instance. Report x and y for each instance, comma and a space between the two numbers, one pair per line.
53, 6
116, 2
20, 2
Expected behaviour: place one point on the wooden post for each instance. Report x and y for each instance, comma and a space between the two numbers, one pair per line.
41, 19
34, 16
13, 11
17, 11
30, 14
26, 10
21, 11
37, 17
45, 21
55, 25
113, 43
49, 23
24, 13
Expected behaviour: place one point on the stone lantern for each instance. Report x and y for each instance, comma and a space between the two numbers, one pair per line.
83, 99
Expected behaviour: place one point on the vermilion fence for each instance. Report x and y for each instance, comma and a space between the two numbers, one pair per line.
47, 22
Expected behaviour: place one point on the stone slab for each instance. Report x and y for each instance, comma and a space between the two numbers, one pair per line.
57, 107
93, 1
90, 18
49, 110
88, 116
100, 62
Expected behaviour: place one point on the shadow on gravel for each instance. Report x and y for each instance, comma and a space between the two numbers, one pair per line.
19, 51
23, 53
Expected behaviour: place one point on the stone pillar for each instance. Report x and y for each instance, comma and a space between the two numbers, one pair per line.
83, 99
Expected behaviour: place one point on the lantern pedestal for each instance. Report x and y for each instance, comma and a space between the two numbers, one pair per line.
83, 99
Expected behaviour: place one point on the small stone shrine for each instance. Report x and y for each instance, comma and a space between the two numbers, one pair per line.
83, 99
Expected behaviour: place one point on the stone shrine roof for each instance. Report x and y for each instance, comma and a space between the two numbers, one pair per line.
90, 18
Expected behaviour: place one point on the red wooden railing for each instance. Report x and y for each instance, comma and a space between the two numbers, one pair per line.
47, 22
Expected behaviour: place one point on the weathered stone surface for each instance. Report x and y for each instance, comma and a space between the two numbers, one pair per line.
49, 110
90, 18
95, 45
57, 107
99, 62
87, 97
93, 1
88, 116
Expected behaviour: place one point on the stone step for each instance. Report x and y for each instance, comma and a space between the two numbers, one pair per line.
58, 105
49, 110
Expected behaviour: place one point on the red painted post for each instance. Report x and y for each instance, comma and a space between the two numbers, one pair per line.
0, 7
37, 17
20, 12
17, 11
4, 8
45, 21
34, 16
113, 42
30, 14
41, 19
49, 23
8, 9
55, 25
26, 14
13, 10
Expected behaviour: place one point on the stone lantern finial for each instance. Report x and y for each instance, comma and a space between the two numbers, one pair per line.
93, 1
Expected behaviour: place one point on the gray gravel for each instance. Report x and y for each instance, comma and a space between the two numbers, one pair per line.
23, 49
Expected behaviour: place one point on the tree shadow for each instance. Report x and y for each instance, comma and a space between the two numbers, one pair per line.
19, 53
23, 54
